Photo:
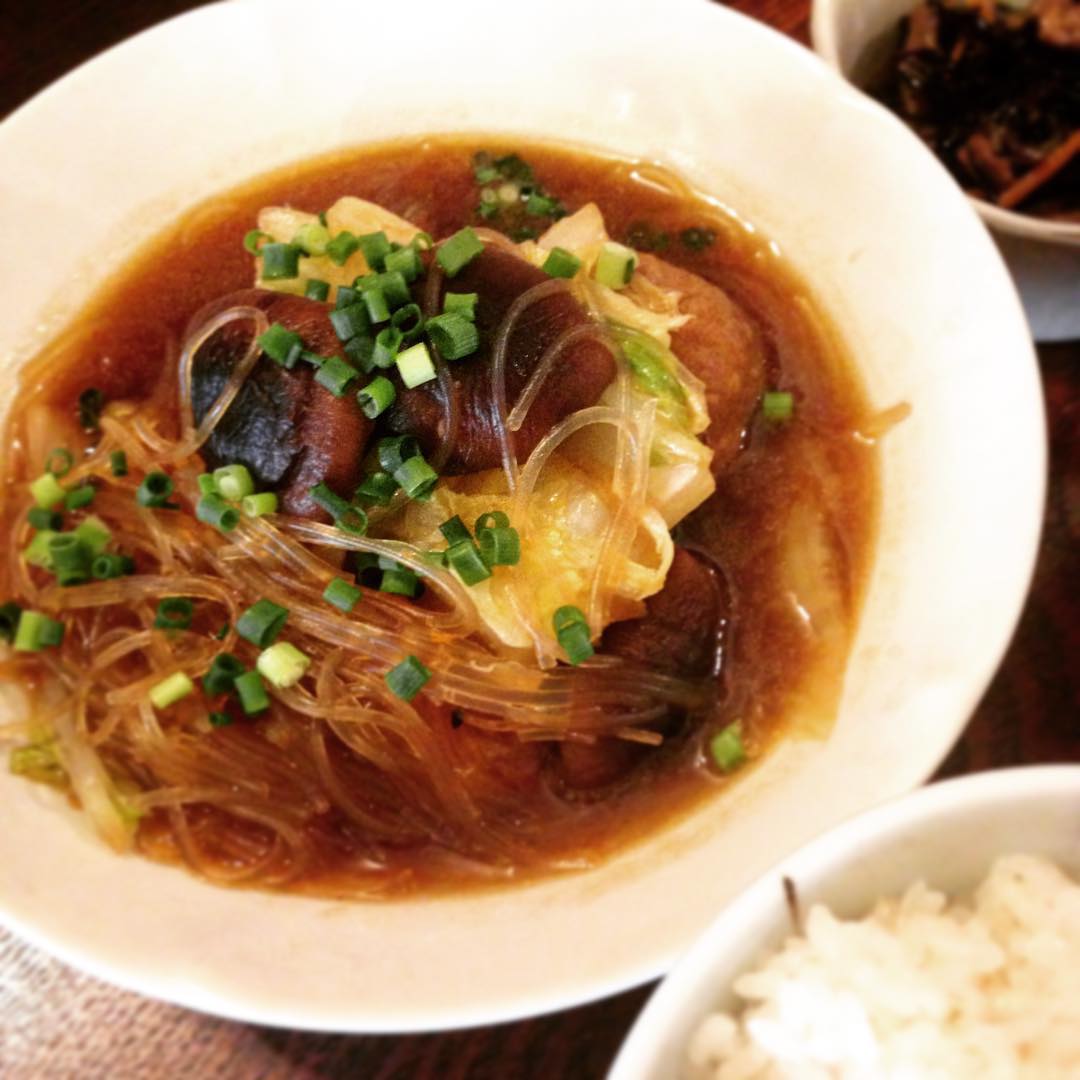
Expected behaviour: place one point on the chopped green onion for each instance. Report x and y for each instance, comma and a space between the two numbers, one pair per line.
697, 239
341, 247
9, 620
394, 287
346, 297
206, 484
483, 169
91, 402
615, 265
94, 533
280, 261
342, 594
171, 690
350, 320
399, 581
223, 633
70, 559
313, 238
436, 558
47, 491
494, 519
458, 251
223, 673
266, 502
461, 303
409, 320
377, 308
251, 691
405, 262
346, 515
395, 450
376, 397
174, 613
282, 345
118, 463
778, 405
415, 365
312, 358
408, 678
375, 247
465, 559
727, 748
561, 263
387, 342
455, 530
540, 205
79, 497
336, 376
252, 240
40, 518
361, 349
36, 632
377, 488
38, 762
422, 241
107, 566
499, 547
220, 719
282, 665
416, 477
154, 490
59, 462
572, 631
233, 482
214, 510
261, 623
36, 553
317, 289
453, 335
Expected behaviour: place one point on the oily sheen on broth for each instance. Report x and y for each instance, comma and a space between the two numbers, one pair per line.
444, 726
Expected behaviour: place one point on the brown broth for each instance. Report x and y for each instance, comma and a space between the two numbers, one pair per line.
778, 678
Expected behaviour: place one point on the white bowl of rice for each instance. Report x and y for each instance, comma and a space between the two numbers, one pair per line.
935, 936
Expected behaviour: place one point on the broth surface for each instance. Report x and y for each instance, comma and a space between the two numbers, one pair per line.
779, 674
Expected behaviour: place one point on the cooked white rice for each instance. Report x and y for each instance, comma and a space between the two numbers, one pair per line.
921, 988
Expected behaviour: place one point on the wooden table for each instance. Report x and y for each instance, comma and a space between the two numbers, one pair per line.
55, 1022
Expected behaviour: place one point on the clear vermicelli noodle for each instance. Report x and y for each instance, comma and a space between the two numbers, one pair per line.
387, 564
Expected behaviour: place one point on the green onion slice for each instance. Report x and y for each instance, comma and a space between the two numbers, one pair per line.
312, 238
376, 397
572, 632
253, 240
387, 343
416, 478
499, 547
408, 678
40, 518
399, 581
214, 510
494, 519
396, 449
266, 502
282, 665
233, 482
467, 562
341, 247
415, 365
778, 405
461, 303
378, 489
171, 690
280, 262
350, 320
251, 691
118, 463
224, 671
262, 622
79, 497
317, 289
46, 491
59, 462
174, 613
375, 247
458, 251
94, 533
406, 262
36, 632
106, 566
454, 335
727, 748
282, 345
154, 490
561, 263
342, 594
615, 265
455, 531
336, 376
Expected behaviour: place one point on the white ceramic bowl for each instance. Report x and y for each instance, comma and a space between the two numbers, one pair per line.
947, 834
891, 250
852, 35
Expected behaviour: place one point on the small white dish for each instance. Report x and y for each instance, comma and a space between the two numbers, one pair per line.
1044, 256
946, 834
891, 251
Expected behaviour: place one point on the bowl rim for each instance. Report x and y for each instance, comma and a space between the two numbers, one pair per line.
826, 854
824, 37
589, 987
